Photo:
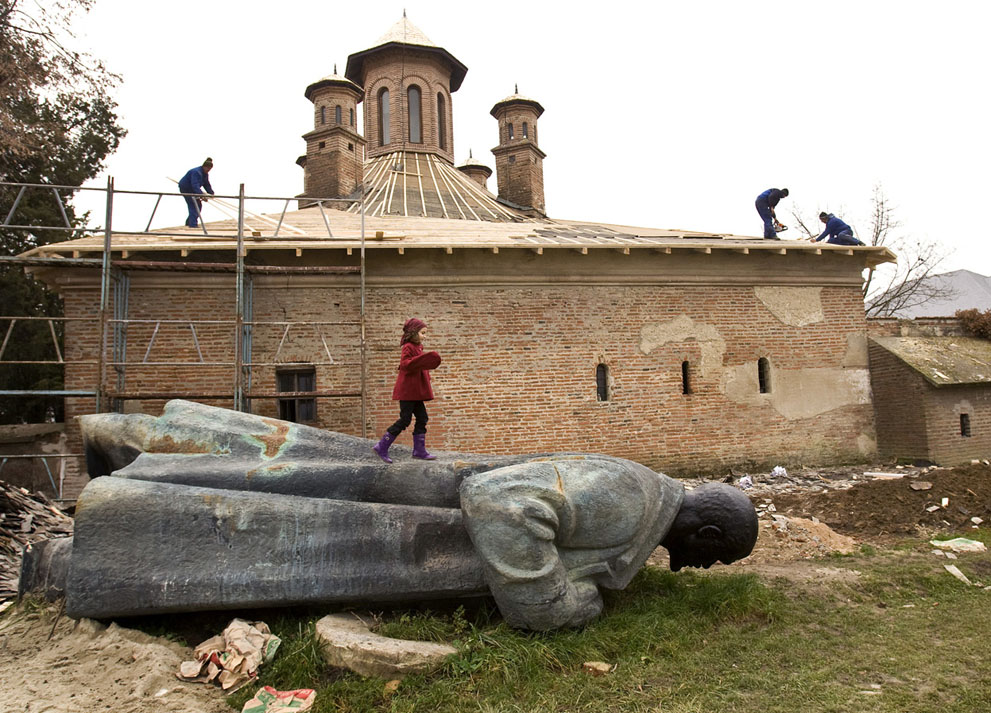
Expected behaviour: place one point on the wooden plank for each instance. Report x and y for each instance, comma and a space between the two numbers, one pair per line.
663, 251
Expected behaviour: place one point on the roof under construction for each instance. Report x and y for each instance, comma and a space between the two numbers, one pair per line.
321, 228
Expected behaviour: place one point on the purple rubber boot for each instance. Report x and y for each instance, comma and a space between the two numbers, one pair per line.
420, 448
382, 447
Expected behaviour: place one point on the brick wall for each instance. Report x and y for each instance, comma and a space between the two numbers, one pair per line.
917, 327
519, 371
944, 407
423, 69
900, 397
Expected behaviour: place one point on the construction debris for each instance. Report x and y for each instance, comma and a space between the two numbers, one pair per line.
959, 544
233, 657
25, 518
269, 700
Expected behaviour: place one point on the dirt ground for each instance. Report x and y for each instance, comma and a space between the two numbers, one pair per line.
52, 664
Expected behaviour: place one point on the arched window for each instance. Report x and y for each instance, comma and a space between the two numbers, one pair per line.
352, 116
525, 132
602, 382
415, 115
764, 375
323, 115
965, 425
686, 384
441, 122
509, 131
383, 116
337, 114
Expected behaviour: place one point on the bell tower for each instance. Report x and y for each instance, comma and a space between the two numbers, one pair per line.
519, 160
333, 164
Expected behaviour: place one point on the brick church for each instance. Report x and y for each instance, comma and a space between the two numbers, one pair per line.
685, 351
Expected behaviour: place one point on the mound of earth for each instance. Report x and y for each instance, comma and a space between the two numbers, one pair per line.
877, 509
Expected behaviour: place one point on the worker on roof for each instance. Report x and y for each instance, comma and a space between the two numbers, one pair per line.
196, 181
765, 209
839, 232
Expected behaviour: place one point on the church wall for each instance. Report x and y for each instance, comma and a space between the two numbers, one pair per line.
521, 351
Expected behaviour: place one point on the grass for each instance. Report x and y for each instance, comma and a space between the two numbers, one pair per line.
904, 636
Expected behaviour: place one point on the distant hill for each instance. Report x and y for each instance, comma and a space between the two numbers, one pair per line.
962, 289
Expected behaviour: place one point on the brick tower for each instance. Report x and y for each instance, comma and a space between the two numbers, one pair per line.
519, 161
408, 82
333, 164
476, 171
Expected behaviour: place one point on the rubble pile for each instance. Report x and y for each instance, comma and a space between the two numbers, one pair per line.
25, 518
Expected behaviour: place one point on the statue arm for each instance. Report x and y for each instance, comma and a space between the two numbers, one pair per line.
513, 527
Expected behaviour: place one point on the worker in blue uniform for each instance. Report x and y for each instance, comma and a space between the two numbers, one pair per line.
765, 204
839, 232
196, 181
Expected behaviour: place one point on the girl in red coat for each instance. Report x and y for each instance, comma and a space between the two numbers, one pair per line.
411, 390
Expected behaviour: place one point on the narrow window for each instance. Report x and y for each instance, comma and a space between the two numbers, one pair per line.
965, 425
383, 117
764, 375
686, 384
441, 122
322, 144
512, 159
509, 131
297, 381
323, 115
525, 133
415, 115
602, 382
351, 112
337, 114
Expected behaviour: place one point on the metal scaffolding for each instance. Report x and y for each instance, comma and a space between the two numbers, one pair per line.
111, 389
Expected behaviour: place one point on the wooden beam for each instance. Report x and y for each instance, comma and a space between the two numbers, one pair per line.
583, 251
706, 250
624, 251
184, 252
818, 251
745, 251
781, 251
402, 251
848, 251
449, 250
539, 251
495, 251
299, 252
663, 251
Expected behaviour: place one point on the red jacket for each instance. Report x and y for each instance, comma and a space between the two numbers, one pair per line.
413, 380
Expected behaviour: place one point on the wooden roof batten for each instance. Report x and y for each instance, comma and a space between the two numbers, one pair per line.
332, 229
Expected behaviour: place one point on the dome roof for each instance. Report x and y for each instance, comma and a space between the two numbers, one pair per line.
333, 80
405, 33
517, 98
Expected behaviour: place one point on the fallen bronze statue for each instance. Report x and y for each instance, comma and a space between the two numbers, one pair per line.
204, 508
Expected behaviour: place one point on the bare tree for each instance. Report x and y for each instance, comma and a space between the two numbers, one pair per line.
910, 282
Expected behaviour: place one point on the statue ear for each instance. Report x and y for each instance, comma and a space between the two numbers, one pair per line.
710, 532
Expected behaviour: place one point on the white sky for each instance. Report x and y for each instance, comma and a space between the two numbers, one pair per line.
661, 114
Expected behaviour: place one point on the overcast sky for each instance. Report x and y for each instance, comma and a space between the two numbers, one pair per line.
660, 114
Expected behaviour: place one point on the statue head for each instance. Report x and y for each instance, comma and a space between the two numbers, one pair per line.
716, 523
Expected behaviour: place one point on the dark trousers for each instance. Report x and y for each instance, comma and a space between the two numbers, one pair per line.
844, 238
195, 205
764, 211
407, 410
